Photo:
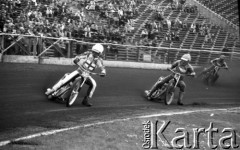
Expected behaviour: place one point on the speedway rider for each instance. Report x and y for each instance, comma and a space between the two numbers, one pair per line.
89, 60
220, 62
180, 66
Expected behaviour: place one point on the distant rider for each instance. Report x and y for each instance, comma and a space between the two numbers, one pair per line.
89, 60
220, 62
180, 66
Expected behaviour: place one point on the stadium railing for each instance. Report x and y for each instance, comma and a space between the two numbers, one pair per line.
41, 46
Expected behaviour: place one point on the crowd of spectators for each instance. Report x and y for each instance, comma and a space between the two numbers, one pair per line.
154, 29
54, 18
203, 30
92, 20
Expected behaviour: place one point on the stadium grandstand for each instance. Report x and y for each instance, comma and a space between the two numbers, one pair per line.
158, 31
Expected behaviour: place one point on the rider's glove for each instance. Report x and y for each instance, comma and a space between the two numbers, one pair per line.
193, 74
76, 60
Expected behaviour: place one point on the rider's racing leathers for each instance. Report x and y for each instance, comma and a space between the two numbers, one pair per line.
216, 62
186, 69
89, 63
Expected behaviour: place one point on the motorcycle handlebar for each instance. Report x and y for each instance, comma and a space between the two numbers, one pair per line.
173, 71
178, 73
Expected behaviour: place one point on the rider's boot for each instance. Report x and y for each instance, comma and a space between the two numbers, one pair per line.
154, 88
86, 101
60, 83
180, 98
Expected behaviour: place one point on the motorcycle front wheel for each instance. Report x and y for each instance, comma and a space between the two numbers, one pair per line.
74, 92
169, 94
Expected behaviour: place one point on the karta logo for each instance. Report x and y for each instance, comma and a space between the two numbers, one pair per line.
153, 134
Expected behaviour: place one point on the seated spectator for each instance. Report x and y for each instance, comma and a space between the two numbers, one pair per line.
193, 28
154, 25
168, 37
181, 4
87, 30
120, 12
144, 33
94, 27
155, 42
92, 5
173, 36
178, 23
177, 38
128, 28
184, 24
160, 16
35, 2
202, 30
148, 25
160, 26
175, 4
169, 23
145, 41
197, 27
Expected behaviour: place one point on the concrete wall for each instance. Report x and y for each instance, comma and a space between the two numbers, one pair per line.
19, 59
68, 61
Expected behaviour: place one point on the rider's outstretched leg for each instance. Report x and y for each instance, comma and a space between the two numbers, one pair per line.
180, 98
182, 86
61, 82
92, 86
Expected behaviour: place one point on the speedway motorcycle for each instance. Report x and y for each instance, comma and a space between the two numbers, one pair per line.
167, 91
211, 76
69, 91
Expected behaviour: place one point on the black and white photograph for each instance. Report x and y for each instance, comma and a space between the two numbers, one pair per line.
119, 74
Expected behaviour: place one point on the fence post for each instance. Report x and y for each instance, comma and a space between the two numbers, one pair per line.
69, 49
35, 43
1, 47
127, 54
40, 46
2, 42
138, 54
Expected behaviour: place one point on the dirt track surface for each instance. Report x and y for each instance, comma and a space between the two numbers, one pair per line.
25, 110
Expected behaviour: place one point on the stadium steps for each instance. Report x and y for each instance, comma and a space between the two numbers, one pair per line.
213, 31
181, 31
146, 16
230, 41
220, 39
226, 8
145, 11
189, 38
199, 39
149, 15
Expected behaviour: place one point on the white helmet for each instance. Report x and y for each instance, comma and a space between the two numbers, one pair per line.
98, 48
186, 57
